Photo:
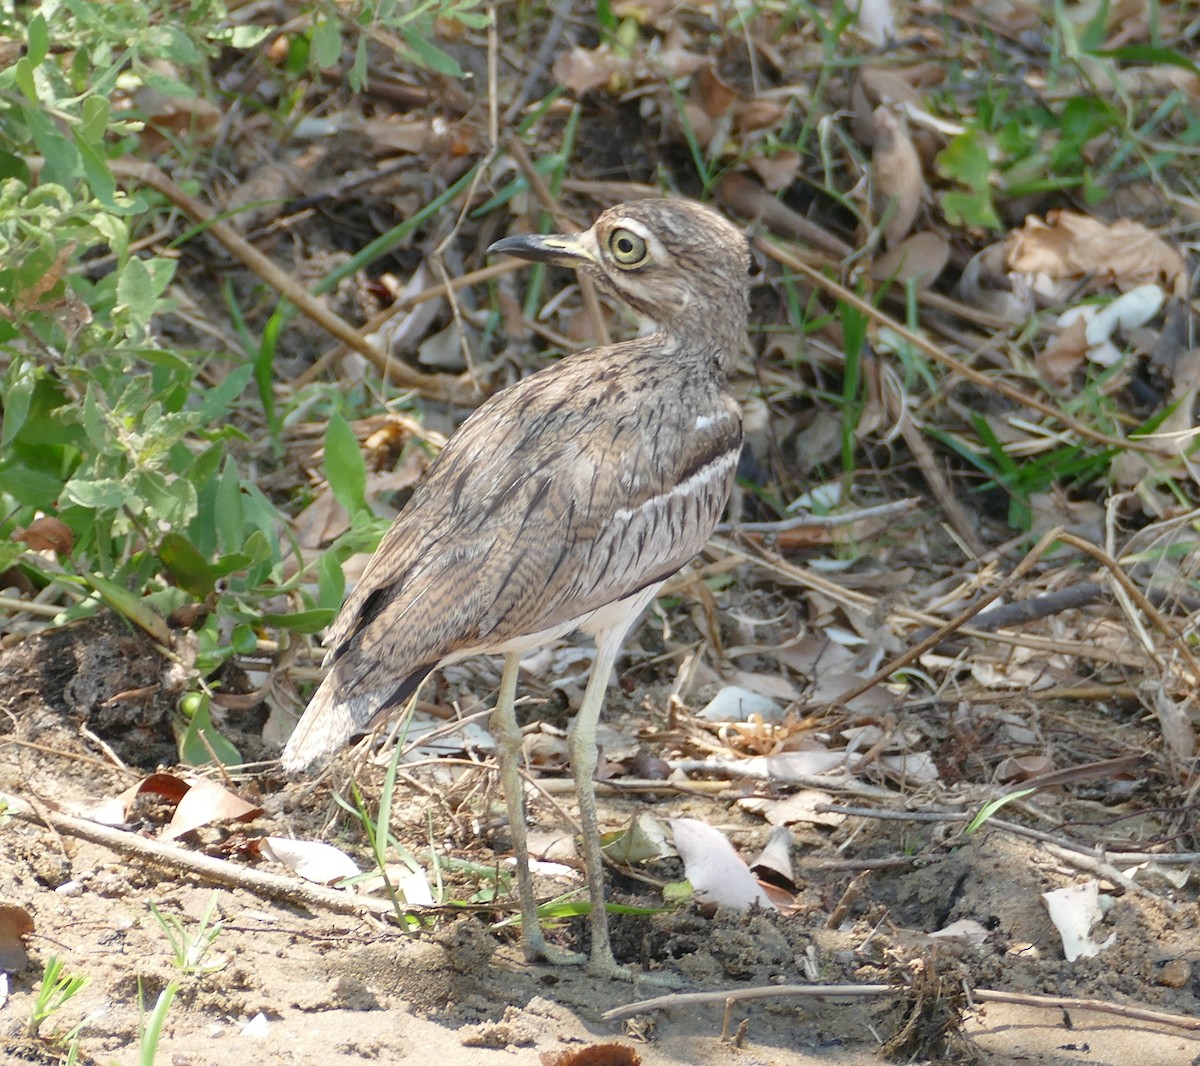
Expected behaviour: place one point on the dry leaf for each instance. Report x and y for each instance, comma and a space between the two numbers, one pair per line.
875, 22
760, 115
777, 171
715, 96
716, 871
1070, 246
593, 1055
16, 923
206, 802
584, 69
774, 862
987, 283
920, 258
313, 860
1063, 355
1074, 910
896, 176
47, 534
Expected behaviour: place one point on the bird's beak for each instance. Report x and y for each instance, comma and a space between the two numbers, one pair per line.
561, 249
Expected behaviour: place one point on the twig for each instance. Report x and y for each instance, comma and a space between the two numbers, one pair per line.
954, 511
792, 261
689, 999
955, 623
215, 871
977, 995
1121, 1010
883, 510
435, 386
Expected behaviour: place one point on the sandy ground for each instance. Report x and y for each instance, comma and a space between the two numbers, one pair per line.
290, 983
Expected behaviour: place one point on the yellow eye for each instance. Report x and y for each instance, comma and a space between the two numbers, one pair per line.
628, 249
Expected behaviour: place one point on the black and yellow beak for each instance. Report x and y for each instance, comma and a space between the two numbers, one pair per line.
561, 249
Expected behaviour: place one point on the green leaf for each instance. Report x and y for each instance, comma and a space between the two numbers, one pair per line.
327, 43
164, 83
136, 289
130, 606
37, 40
970, 209
990, 808
18, 396
344, 466
99, 178
107, 493
217, 402
229, 519
1149, 54
193, 750
301, 621
429, 55
186, 566
331, 582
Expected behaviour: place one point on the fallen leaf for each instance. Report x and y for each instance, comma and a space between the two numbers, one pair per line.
47, 534
713, 94
1070, 246
206, 802
311, 859
1074, 910
16, 923
1063, 355
593, 1055
920, 258
896, 175
716, 871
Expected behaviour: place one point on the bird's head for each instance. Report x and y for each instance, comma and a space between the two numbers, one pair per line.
677, 262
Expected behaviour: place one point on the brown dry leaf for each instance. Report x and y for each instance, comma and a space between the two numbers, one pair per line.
1065, 353
986, 283
593, 1055
896, 175
584, 69
1070, 246
47, 534
778, 171
16, 923
1022, 768
206, 802
399, 134
759, 115
715, 96
920, 258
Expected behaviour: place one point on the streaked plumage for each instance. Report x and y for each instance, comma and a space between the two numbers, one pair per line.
562, 503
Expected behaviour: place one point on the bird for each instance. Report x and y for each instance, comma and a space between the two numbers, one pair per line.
561, 503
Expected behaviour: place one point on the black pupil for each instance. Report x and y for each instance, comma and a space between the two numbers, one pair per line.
625, 245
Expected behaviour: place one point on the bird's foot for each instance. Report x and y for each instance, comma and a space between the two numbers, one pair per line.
537, 950
606, 966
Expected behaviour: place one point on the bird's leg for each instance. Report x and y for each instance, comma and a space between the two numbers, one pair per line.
508, 747
582, 746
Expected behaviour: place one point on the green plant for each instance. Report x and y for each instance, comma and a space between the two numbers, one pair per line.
989, 809
191, 949
377, 830
152, 1030
55, 990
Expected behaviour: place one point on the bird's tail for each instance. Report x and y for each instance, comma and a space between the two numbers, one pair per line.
325, 727
339, 709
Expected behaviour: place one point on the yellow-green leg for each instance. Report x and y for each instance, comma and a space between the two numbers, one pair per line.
508, 744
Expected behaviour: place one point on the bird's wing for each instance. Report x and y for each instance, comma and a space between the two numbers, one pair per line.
542, 508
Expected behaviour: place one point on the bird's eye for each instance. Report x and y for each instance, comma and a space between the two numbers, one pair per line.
628, 249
